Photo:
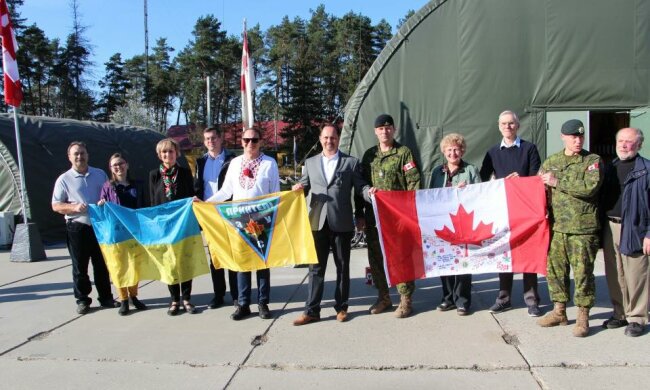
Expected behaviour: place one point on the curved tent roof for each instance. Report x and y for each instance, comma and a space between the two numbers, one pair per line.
44, 145
456, 64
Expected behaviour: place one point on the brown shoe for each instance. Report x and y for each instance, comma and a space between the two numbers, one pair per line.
342, 316
381, 304
581, 329
555, 317
405, 307
305, 319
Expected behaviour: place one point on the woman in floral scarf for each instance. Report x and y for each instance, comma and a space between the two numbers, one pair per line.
171, 182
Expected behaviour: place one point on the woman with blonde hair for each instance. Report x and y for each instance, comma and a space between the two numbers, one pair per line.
167, 183
456, 289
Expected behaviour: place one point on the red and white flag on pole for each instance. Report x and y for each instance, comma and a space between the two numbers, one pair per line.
13, 88
247, 85
497, 226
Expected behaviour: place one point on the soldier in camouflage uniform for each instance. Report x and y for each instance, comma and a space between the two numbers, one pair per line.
573, 178
387, 166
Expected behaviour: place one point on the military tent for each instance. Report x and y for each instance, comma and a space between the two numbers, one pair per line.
456, 64
44, 145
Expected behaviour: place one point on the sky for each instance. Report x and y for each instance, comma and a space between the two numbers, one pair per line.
118, 25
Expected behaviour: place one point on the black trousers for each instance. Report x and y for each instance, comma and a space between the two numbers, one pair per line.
530, 288
184, 288
219, 282
457, 290
339, 243
83, 248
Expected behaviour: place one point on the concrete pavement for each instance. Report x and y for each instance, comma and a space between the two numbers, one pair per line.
45, 344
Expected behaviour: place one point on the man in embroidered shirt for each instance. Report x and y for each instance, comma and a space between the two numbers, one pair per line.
512, 157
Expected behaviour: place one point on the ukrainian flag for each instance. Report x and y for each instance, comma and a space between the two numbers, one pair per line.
263, 232
154, 243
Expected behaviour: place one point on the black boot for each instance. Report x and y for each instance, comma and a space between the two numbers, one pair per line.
124, 308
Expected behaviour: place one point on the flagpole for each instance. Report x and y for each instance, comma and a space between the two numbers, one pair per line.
21, 170
27, 244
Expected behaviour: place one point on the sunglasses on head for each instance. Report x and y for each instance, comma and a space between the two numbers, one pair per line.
253, 140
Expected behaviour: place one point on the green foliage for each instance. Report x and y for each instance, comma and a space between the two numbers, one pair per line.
115, 85
306, 70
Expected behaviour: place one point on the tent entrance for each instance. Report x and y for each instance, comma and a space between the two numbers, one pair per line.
600, 130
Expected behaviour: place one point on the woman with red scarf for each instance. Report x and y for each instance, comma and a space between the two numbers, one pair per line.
171, 182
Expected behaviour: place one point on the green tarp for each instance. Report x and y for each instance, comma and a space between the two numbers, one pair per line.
44, 144
456, 64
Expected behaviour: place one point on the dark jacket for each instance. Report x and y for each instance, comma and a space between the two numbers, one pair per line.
184, 186
199, 184
635, 207
109, 194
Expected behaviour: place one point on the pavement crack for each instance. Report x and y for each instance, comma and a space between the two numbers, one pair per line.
261, 339
35, 275
38, 336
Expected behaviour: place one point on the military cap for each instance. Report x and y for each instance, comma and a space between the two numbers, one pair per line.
573, 127
384, 120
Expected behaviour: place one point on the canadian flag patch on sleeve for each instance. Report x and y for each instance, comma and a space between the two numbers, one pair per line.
409, 166
592, 167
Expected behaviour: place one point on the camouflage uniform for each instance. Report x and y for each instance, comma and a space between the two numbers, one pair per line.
391, 170
575, 222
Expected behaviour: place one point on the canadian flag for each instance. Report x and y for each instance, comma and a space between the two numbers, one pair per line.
247, 85
13, 88
497, 226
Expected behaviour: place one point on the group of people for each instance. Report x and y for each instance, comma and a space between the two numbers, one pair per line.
220, 176
585, 200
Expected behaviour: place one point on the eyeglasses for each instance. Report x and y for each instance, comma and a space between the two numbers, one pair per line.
253, 140
119, 164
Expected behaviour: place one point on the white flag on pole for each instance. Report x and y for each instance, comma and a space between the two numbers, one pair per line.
247, 85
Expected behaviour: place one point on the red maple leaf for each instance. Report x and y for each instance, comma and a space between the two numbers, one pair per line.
463, 232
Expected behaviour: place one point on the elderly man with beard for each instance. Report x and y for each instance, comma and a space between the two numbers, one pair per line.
626, 233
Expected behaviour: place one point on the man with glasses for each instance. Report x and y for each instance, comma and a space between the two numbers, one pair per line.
251, 174
512, 157
211, 171
74, 190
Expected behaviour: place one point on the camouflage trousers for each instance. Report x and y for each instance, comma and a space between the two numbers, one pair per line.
577, 252
376, 261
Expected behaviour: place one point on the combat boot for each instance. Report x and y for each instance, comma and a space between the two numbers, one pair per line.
404, 309
555, 317
581, 329
383, 302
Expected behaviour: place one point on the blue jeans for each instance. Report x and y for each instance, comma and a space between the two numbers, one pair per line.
263, 287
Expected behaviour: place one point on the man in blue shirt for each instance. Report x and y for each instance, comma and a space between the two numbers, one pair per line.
512, 157
211, 171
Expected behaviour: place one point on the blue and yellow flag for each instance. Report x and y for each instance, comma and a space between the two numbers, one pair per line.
257, 233
154, 243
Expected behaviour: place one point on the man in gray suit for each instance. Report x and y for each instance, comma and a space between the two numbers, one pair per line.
331, 176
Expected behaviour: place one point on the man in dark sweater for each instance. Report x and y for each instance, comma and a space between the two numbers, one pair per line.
512, 157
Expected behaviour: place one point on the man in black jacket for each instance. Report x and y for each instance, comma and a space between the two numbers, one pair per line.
626, 239
211, 170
